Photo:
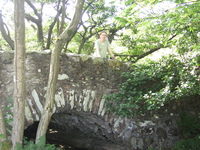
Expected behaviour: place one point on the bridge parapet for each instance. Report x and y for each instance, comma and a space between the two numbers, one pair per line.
82, 82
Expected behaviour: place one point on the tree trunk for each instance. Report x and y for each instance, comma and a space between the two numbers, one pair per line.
2, 126
37, 21
62, 17
19, 75
40, 35
84, 40
51, 29
67, 43
54, 70
81, 46
5, 34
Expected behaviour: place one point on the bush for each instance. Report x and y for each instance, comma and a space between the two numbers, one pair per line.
5, 145
41, 145
150, 86
188, 144
190, 128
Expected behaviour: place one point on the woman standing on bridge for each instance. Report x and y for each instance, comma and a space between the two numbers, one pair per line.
102, 45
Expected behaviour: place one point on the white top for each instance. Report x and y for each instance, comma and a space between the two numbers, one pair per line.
103, 47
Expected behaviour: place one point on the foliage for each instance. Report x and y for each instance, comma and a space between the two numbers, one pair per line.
28, 145
155, 24
97, 16
9, 119
146, 25
189, 127
43, 21
5, 145
41, 145
8, 116
3, 44
192, 144
150, 86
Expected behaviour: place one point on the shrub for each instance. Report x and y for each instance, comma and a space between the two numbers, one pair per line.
41, 145
150, 86
190, 128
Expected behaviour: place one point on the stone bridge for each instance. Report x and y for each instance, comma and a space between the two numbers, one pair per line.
80, 115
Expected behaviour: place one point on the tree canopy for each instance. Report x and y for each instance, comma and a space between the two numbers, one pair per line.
140, 28
152, 25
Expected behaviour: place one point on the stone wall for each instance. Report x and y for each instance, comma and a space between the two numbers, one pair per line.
79, 103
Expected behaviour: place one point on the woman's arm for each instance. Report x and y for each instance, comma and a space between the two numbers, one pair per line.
111, 53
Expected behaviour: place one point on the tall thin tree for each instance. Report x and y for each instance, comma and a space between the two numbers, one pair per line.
19, 75
64, 37
2, 126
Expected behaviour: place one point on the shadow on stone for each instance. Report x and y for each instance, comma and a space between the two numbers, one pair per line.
53, 137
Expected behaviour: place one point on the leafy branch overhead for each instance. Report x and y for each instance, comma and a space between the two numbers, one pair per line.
149, 28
